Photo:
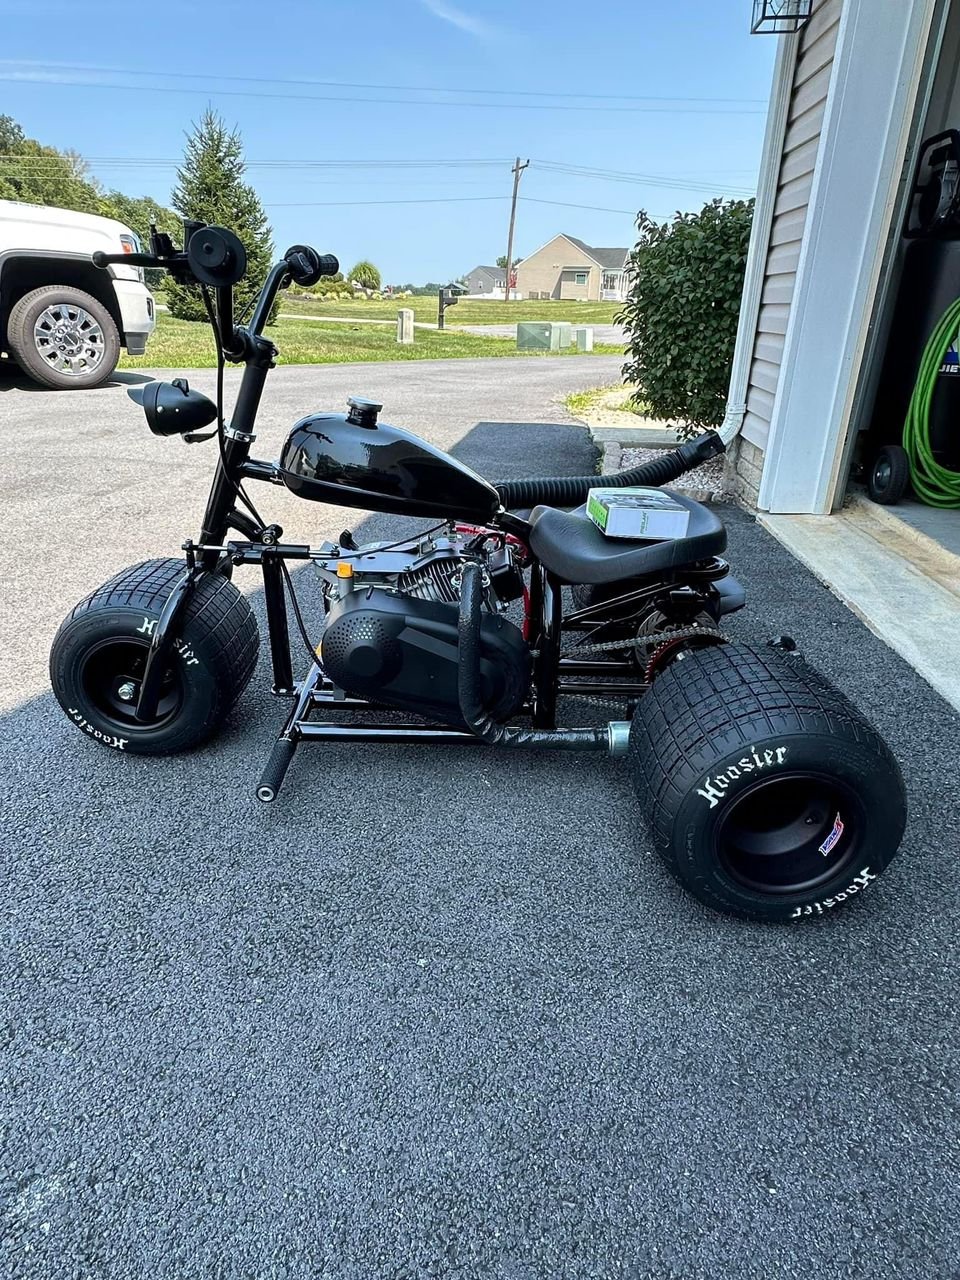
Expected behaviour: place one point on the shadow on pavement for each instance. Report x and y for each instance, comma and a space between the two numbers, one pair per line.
13, 379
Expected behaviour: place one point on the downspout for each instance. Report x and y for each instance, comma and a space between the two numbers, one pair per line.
768, 184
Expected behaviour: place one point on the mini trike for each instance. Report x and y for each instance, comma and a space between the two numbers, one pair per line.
766, 792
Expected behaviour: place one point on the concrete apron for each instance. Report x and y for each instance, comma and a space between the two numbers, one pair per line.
899, 581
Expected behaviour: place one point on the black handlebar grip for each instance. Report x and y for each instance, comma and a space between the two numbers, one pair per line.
271, 780
307, 266
100, 259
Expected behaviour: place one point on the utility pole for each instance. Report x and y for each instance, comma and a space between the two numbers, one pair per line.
518, 168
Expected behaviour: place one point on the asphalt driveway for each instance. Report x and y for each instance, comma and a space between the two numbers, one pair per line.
436, 1014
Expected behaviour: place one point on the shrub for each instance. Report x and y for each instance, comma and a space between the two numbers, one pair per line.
682, 309
365, 274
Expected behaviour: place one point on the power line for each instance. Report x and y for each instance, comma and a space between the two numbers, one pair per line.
672, 109
562, 204
351, 204
167, 162
35, 166
404, 88
638, 179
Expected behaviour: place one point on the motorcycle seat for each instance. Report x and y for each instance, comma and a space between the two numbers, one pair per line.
570, 545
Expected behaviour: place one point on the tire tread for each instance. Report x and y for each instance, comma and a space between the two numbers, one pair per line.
743, 696
217, 610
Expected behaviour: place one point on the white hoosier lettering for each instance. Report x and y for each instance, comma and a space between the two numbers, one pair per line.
108, 739
186, 653
714, 788
817, 908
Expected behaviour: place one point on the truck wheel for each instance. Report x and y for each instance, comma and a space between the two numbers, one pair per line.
768, 795
63, 338
100, 651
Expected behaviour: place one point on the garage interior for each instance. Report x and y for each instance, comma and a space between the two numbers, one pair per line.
896, 565
919, 281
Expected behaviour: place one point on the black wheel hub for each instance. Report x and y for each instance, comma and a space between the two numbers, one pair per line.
882, 471
790, 834
111, 675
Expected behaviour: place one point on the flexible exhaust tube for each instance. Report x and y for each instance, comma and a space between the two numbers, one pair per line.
612, 738
570, 491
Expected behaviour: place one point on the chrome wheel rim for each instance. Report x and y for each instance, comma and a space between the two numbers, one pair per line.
69, 339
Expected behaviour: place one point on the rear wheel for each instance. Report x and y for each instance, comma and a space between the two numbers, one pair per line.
99, 655
768, 794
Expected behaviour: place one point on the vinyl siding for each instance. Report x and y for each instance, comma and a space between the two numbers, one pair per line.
550, 271
811, 85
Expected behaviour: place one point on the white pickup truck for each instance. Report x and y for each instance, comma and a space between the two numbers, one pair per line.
62, 320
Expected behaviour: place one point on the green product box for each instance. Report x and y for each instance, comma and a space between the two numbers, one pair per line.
645, 514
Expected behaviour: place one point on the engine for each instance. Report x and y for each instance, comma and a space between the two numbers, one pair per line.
391, 630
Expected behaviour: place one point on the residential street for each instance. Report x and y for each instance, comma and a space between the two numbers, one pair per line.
436, 1014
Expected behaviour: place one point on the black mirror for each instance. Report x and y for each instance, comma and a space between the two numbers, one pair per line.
216, 256
172, 409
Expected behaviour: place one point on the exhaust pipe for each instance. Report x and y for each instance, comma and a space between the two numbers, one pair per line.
613, 738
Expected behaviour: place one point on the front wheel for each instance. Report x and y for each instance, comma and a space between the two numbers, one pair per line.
99, 655
63, 338
768, 794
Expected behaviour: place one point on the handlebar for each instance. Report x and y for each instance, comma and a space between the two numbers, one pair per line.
103, 260
214, 256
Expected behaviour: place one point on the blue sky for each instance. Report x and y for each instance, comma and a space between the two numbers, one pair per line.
669, 98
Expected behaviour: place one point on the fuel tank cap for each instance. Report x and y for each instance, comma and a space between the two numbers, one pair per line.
363, 413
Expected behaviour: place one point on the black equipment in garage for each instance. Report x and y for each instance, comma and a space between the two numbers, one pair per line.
929, 285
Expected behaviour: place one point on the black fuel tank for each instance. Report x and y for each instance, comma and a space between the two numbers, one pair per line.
353, 460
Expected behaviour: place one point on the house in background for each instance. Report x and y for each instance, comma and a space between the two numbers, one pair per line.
566, 268
489, 282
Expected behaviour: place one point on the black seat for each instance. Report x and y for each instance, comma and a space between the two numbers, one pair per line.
570, 545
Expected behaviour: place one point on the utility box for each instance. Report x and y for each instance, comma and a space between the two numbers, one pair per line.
584, 339
405, 326
566, 333
538, 335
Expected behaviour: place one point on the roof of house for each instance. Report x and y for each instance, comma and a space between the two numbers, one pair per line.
491, 271
609, 259
612, 259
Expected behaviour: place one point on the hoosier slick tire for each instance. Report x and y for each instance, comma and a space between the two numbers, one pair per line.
768, 795
99, 652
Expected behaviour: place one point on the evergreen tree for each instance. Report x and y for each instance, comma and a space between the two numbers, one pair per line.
210, 188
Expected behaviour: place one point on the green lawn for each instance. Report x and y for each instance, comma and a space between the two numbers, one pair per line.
465, 312
180, 344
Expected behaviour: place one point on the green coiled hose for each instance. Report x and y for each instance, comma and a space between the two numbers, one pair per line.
934, 484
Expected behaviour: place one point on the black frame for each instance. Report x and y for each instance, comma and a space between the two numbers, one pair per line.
780, 17
214, 552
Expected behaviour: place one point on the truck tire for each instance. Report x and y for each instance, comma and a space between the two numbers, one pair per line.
63, 338
99, 652
768, 795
